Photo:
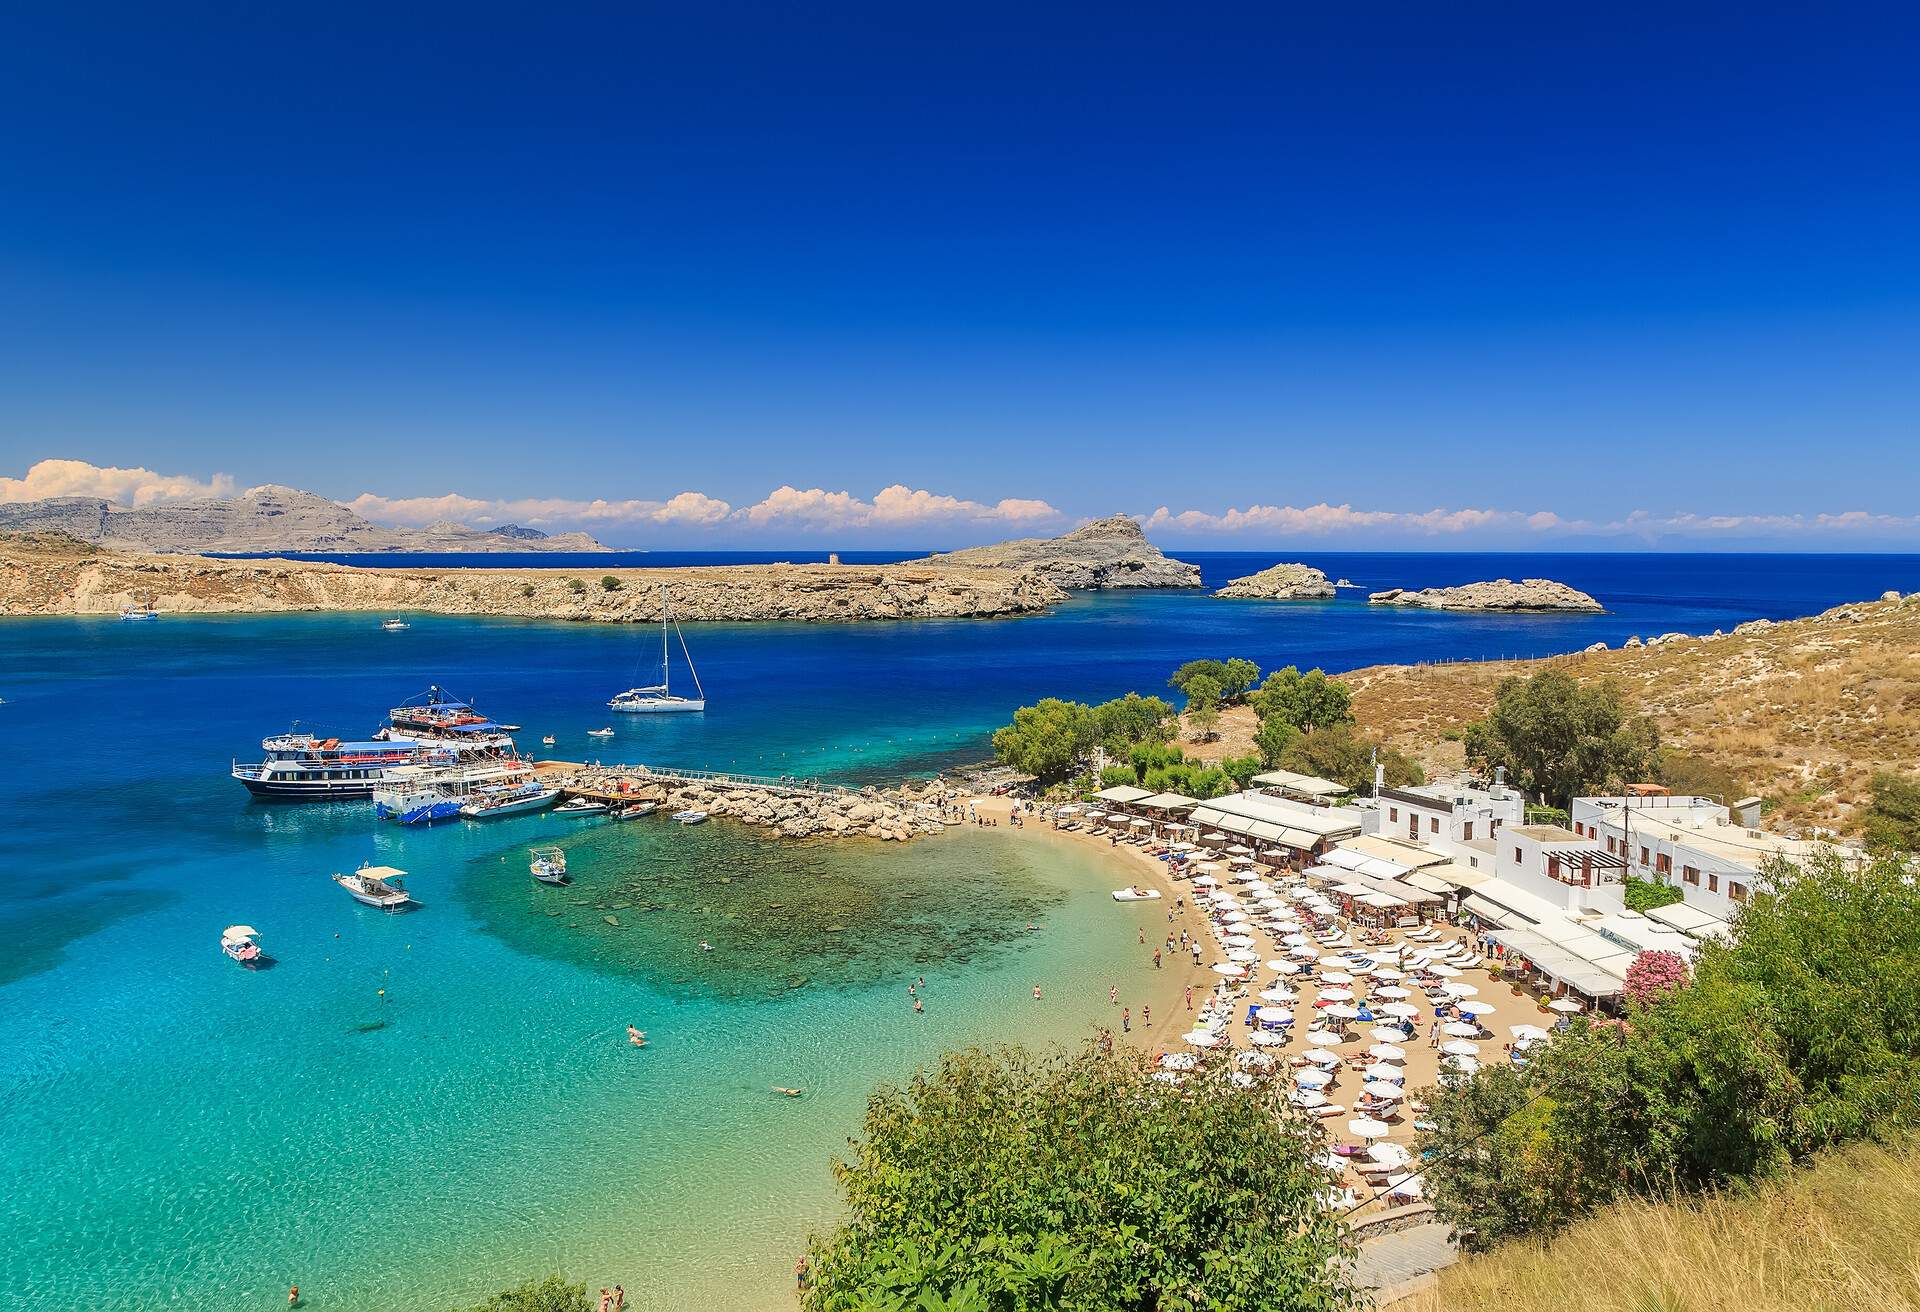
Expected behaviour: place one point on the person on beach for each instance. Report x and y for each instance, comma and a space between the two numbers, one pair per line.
1143, 936
1189, 997
1196, 952
1113, 995
606, 1300
1156, 958
619, 1298
1126, 1020
790, 1093
1146, 1014
800, 1273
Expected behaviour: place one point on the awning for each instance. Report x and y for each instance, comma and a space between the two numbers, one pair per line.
1123, 793
1168, 802
1493, 913
1554, 961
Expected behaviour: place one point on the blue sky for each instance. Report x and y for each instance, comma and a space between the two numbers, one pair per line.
1368, 277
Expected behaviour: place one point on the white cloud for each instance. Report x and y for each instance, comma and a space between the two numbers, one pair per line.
539, 512
891, 506
124, 487
1326, 520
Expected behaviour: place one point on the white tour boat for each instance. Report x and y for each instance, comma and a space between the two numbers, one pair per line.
512, 799
376, 886
394, 625
549, 865
237, 941
658, 698
581, 806
690, 817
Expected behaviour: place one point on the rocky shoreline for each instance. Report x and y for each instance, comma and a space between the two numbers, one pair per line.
49, 574
1498, 594
910, 811
1284, 582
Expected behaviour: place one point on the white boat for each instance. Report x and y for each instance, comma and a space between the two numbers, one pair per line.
376, 886
237, 941
600, 733
549, 865
690, 817
140, 608
1136, 894
634, 811
581, 806
493, 803
547, 741
394, 625
658, 698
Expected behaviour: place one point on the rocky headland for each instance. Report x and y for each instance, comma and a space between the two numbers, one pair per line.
1499, 594
268, 518
1280, 583
1108, 553
50, 574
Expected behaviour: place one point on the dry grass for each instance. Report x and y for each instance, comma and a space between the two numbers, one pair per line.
1803, 712
1843, 1235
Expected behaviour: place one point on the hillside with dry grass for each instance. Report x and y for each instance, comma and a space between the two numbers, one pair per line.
1801, 712
1843, 1234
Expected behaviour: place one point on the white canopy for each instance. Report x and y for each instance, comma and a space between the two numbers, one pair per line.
1387, 1052
1366, 1127
1460, 1048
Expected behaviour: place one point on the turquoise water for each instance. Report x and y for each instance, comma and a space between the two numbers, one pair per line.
179, 1133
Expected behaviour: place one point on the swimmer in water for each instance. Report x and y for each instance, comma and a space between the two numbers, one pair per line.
917, 1006
705, 946
637, 1037
785, 1091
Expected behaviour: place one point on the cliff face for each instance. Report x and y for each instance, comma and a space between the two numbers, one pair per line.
50, 575
1500, 594
268, 518
1280, 583
1108, 553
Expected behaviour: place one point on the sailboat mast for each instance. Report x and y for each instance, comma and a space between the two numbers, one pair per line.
666, 670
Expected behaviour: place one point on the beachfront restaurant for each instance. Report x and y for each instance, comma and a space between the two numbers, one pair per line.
1307, 788
1293, 833
1540, 940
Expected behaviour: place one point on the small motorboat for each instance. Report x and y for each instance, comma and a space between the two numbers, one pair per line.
1134, 893
237, 941
549, 865
690, 817
547, 741
394, 625
634, 811
600, 733
581, 806
376, 886
494, 804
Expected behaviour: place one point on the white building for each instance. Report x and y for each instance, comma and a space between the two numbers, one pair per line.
1303, 831
1691, 843
1456, 819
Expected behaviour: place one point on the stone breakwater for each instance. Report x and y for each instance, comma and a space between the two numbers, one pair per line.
47, 575
892, 814
1499, 594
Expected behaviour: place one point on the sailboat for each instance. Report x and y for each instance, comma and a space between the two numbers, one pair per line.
657, 698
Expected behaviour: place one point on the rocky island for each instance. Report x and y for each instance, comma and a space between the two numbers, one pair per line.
263, 519
1280, 583
51, 574
1499, 594
1108, 553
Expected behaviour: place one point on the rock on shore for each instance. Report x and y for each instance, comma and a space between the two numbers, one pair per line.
893, 815
47, 574
1108, 553
1279, 583
1499, 594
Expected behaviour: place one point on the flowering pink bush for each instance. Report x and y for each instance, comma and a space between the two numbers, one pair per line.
1653, 973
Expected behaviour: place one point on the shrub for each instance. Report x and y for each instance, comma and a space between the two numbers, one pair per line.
610, 583
1652, 973
576, 587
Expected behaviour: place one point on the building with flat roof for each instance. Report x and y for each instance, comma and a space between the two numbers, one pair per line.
1458, 818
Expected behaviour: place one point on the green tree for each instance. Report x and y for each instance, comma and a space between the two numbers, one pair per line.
1148, 756
1893, 813
1203, 705
1272, 739
1342, 754
1240, 770
609, 583
1048, 739
1114, 776
1237, 677
1305, 701
1132, 719
1015, 1181
1201, 669
1561, 739
553, 1294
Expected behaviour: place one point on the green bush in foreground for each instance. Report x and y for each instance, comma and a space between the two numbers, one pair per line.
1009, 1181
553, 1294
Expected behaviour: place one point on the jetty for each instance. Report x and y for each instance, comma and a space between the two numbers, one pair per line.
796, 807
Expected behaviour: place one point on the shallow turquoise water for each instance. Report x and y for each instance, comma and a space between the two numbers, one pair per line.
178, 1133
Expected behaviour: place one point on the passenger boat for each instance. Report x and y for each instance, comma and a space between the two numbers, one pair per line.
376, 886
140, 608
425, 795
304, 766
634, 811
581, 806
416, 805
549, 865
237, 941
435, 713
394, 625
656, 698
493, 803
690, 817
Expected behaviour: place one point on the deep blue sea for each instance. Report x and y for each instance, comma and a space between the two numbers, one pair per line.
415, 1110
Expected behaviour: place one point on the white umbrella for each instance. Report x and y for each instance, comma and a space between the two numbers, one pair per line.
1324, 1037
1336, 995
1565, 1006
1344, 1010
1278, 995
1283, 967
1307, 1098
1274, 1014
1239, 940
1336, 977
1240, 849
1442, 969
1303, 951
1228, 969
1454, 990
1400, 1009
1321, 1057
1459, 1030
1312, 1078
1460, 1048
1475, 1008
1179, 1061
1201, 1038
1465, 1065
1386, 1034
1527, 1032
1383, 1091
1365, 1127
1204, 881
1296, 941
1268, 1039
1213, 838
1391, 991
1406, 1186
1380, 1070
1389, 1154
1388, 973
1242, 955
1387, 1052
1236, 917
1259, 1061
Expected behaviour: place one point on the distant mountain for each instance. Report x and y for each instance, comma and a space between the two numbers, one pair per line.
269, 518
1107, 553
